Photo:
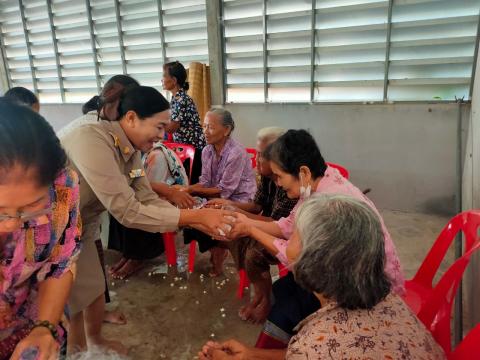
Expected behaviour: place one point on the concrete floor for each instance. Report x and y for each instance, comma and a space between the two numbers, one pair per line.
170, 316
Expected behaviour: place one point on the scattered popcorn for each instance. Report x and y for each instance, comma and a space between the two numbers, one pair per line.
149, 274
222, 310
172, 284
223, 315
212, 335
113, 284
204, 291
197, 302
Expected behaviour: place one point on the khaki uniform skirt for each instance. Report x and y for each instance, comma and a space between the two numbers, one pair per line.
89, 283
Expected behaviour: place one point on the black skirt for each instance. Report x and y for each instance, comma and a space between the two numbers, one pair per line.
134, 244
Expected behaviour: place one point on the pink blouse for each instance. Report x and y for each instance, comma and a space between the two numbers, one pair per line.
334, 183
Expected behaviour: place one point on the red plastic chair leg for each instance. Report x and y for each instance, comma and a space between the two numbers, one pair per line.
282, 270
242, 283
191, 256
170, 251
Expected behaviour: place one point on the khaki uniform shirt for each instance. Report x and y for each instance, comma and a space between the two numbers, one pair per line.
112, 178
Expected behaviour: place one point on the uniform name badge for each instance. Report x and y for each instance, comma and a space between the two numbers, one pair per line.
136, 173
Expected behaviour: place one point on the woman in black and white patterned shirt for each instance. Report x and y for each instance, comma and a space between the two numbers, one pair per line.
185, 125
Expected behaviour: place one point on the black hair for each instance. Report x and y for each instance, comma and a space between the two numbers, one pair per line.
91, 105
109, 99
177, 70
294, 149
28, 140
144, 100
124, 80
21, 96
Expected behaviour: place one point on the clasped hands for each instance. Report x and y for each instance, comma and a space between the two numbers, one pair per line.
236, 224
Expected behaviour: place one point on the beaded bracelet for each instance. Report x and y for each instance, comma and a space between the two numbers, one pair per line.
47, 324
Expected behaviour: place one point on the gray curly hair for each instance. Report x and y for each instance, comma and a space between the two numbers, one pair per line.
343, 253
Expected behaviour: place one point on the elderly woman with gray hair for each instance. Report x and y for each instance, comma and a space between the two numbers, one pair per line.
271, 203
226, 173
338, 254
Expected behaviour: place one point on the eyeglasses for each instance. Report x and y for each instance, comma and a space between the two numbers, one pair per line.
26, 216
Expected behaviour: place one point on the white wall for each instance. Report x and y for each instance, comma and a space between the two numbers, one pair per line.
405, 152
60, 115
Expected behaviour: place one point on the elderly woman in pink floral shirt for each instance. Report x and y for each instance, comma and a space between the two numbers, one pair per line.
39, 235
296, 160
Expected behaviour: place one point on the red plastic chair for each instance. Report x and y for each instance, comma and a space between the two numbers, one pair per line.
184, 152
437, 312
253, 156
469, 346
421, 285
433, 304
343, 171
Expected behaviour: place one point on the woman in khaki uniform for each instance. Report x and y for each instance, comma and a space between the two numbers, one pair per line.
107, 157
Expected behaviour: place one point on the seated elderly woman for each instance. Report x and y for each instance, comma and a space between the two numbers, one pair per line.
39, 234
270, 203
338, 254
226, 172
298, 164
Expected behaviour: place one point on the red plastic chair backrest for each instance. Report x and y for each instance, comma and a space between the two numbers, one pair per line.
253, 156
437, 312
344, 172
469, 346
184, 152
468, 222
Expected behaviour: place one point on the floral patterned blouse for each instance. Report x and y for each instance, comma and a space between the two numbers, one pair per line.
387, 331
185, 113
46, 247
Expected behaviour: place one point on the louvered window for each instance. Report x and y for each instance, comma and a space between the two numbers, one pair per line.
65, 50
349, 50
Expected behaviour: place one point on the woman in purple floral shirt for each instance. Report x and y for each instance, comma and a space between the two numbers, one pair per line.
226, 173
39, 234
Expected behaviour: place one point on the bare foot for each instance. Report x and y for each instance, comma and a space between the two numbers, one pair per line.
244, 311
259, 314
112, 345
118, 265
128, 269
114, 317
217, 257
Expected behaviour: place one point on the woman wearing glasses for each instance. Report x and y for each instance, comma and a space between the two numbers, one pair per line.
39, 234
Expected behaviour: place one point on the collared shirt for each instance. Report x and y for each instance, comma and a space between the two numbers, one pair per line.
184, 112
112, 178
44, 248
273, 199
334, 183
231, 172
387, 331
